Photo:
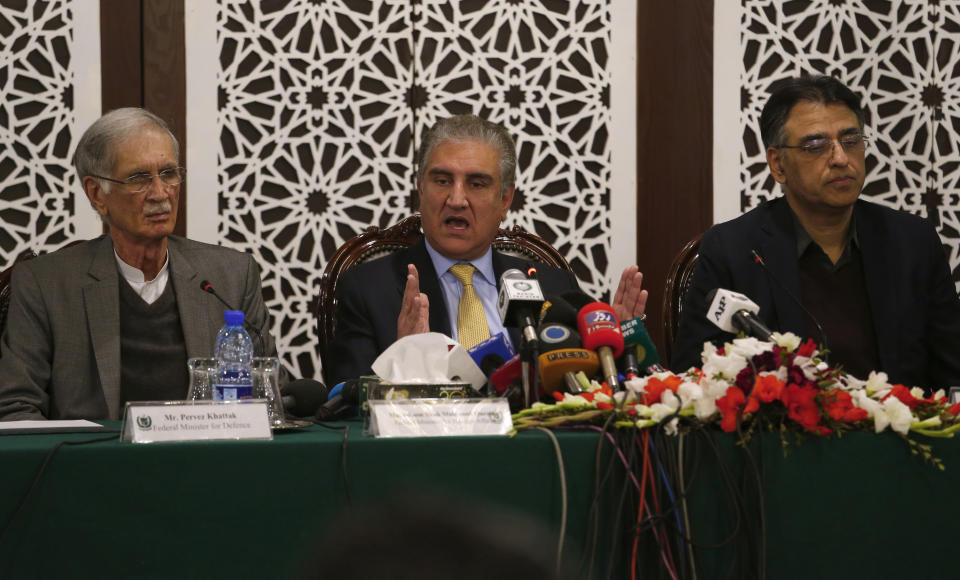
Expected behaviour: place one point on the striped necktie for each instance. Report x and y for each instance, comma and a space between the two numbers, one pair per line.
471, 321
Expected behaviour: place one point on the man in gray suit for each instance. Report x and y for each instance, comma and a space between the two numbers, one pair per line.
115, 319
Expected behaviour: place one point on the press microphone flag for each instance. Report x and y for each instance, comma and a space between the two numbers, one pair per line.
600, 331
734, 312
555, 363
519, 302
635, 335
492, 353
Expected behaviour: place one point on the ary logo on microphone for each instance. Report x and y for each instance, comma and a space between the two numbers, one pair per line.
601, 319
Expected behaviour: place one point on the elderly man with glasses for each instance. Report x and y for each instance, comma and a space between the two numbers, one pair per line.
115, 319
869, 283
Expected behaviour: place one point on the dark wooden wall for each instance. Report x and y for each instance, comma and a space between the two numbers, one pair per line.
144, 64
143, 58
674, 137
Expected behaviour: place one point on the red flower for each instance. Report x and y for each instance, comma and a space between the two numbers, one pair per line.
839, 406
655, 388
604, 406
903, 393
729, 405
954, 409
807, 349
768, 388
557, 395
802, 407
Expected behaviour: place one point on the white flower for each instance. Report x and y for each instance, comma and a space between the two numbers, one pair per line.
748, 347
658, 411
877, 382
939, 394
899, 415
705, 408
787, 340
917, 393
689, 392
726, 366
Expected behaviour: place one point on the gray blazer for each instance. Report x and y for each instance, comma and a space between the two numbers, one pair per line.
60, 352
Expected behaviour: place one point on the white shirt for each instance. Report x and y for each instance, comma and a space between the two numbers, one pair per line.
151, 290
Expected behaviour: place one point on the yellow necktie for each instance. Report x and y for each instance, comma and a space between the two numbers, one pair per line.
471, 321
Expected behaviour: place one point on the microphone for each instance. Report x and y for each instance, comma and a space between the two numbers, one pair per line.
757, 258
519, 303
302, 397
639, 345
556, 363
343, 398
733, 312
600, 331
491, 353
507, 377
557, 336
208, 288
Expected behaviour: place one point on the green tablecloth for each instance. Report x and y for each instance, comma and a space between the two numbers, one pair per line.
856, 507
253, 509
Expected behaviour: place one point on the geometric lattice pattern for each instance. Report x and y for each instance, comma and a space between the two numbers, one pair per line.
903, 59
321, 105
37, 183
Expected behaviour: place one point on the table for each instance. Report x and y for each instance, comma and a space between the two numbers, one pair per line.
857, 506
254, 508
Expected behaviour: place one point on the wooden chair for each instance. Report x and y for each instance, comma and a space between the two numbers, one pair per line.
376, 242
5, 286
677, 283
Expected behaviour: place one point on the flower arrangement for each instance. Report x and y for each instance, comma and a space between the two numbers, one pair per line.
749, 384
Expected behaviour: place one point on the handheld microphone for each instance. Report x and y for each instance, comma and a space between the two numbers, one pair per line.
302, 397
208, 288
507, 377
600, 331
519, 303
344, 397
757, 258
733, 312
635, 335
491, 353
556, 363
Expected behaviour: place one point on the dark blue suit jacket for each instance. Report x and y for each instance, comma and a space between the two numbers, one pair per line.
369, 298
912, 297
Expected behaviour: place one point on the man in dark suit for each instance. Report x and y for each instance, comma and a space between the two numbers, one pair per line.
876, 280
115, 319
466, 184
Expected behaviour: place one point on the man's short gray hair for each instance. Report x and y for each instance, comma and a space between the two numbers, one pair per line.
471, 128
95, 153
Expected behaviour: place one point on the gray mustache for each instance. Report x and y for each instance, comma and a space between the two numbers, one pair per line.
157, 207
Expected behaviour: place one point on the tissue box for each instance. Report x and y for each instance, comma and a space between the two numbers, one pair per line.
382, 390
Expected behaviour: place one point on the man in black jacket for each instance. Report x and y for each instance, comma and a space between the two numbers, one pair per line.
874, 282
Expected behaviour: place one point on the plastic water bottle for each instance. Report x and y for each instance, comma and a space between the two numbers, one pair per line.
234, 354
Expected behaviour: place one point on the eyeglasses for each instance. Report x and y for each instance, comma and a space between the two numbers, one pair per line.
850, 143
140, 182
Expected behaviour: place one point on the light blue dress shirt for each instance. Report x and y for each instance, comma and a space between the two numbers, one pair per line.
484, 283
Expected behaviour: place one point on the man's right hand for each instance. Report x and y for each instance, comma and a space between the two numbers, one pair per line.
415, 310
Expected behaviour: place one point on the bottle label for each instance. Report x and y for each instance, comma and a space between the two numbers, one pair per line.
233, 385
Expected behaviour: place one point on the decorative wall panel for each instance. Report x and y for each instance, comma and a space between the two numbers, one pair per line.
902, 58
321, 104
37, 183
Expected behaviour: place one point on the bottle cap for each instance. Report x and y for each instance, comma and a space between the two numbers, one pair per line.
233, 317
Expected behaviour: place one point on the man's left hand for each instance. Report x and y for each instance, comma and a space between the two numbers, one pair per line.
630, 301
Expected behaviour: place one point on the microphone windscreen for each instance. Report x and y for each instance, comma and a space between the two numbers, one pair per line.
555, 336
554, 364
599, 327
577, 299
307, 395
492, 353
560, 311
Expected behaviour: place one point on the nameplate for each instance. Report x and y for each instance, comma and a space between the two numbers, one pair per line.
158, 421
439, 417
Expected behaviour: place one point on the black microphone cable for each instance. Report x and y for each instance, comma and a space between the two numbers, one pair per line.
757, 258
208, 288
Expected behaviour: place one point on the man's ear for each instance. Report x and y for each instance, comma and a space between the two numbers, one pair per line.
507, 200
95, 193
775, 163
